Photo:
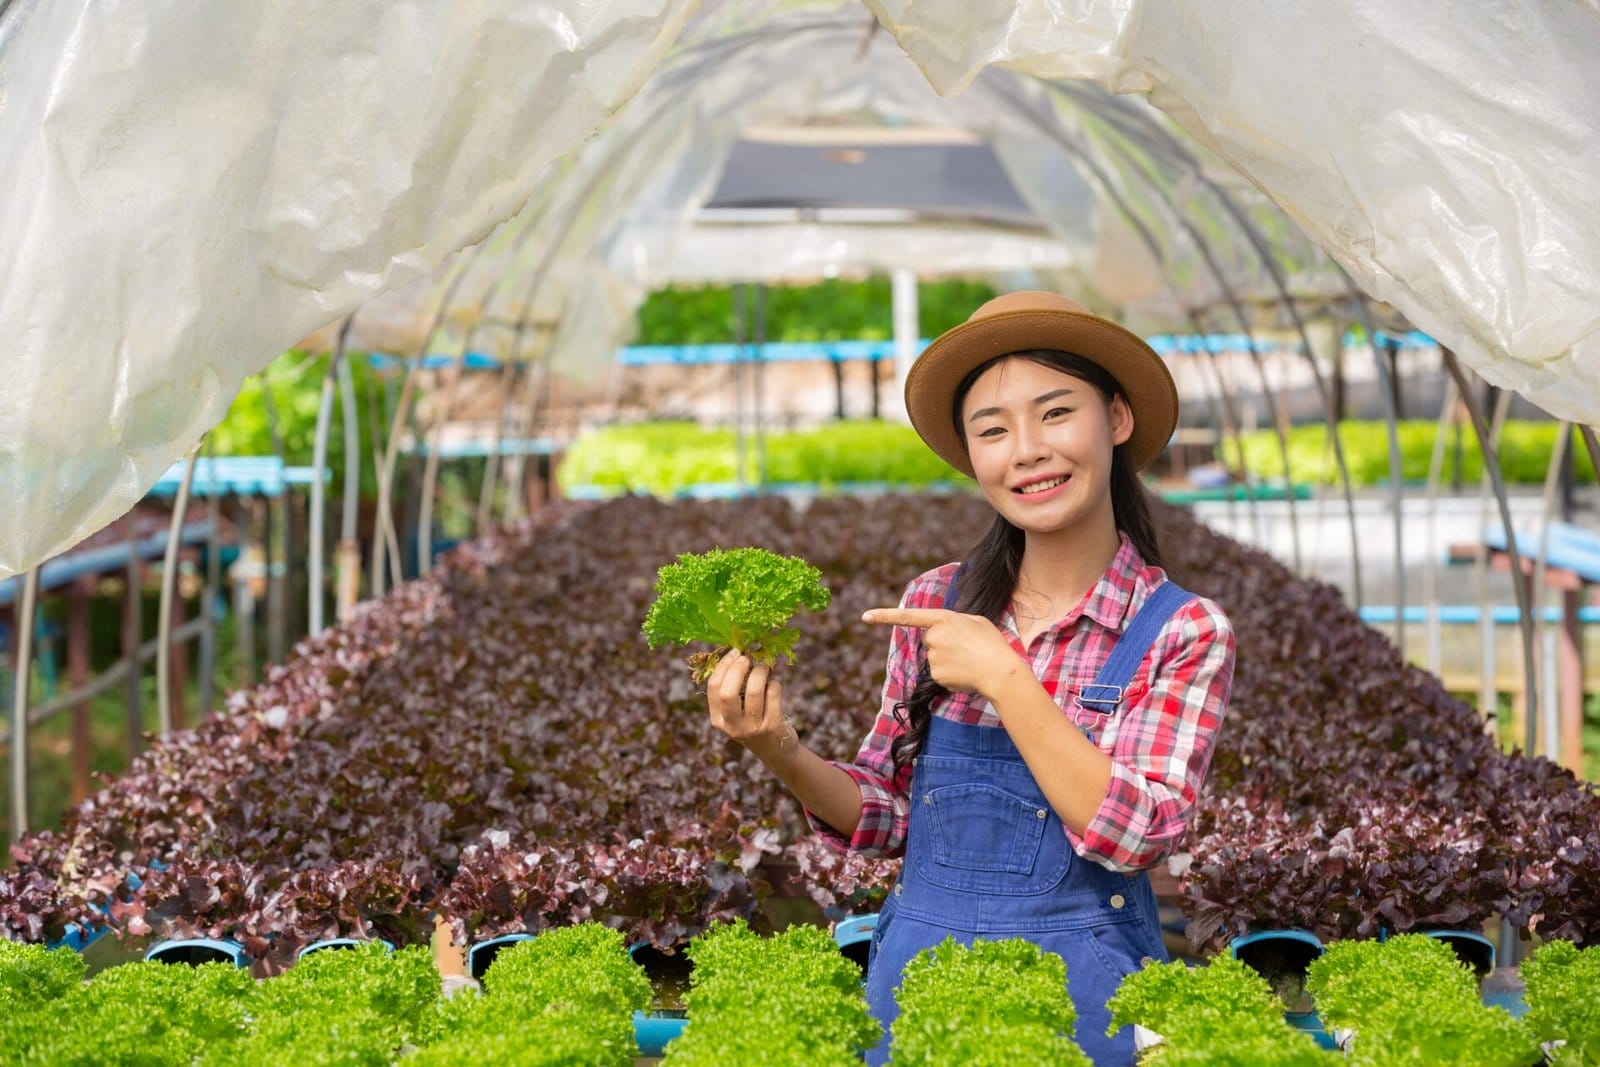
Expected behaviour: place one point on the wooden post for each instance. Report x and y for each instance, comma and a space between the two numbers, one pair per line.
77, 678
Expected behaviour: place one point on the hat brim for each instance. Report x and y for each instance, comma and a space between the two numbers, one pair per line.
1143, 376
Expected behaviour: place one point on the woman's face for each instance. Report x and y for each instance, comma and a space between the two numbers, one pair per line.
1040, 441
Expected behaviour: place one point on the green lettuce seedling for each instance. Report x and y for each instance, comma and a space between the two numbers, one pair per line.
737, 599
1563, 995
1410, 1000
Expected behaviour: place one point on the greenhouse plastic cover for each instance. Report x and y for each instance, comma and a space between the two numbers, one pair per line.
193, 187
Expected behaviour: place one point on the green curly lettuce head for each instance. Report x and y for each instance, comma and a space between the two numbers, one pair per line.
734, 598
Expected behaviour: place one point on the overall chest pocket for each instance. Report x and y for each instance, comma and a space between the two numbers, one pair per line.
982, 838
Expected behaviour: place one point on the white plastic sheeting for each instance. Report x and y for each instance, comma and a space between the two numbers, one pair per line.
1447, 155
193, 188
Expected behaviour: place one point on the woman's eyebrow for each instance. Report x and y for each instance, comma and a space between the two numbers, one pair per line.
982, 413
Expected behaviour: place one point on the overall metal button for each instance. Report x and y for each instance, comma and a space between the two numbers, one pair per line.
1117, 901
1147, 961
1042, 813
897, 889
927, 798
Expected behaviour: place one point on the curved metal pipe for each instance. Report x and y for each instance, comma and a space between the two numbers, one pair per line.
398, 419
1262, 249
1269, 393
1007, 94
1232, 423
430, 468
19, 703
1491, 466
169, 584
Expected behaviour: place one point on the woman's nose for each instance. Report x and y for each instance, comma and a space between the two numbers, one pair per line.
1028, 446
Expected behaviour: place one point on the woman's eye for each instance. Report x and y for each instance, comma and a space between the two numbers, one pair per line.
993, 431
1053, 412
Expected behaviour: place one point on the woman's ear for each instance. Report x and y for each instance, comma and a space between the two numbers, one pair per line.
1121, 421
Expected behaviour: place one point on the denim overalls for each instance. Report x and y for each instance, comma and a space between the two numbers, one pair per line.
987, 857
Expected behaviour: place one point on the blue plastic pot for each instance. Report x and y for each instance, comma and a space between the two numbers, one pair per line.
653, 1029
482, 954
334, 943
197, 950
853, 935
1471, 947
76, 938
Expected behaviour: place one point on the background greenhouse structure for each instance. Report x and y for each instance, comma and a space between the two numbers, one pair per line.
365, 363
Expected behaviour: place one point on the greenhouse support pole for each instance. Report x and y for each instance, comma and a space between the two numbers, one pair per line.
19, 704
319, 489
738, 387
1488, 680
758, 372
1491, 466
208, 632
1563, 704
1430, 572
133, 641
78, 594
347, 565
169, 586
906, 315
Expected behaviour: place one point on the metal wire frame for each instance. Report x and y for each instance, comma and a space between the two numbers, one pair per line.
675, 79
1108, 189
1156, 137
1491, 467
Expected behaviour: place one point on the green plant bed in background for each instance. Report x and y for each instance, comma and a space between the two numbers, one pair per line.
1525, 449
665, 459
834, 310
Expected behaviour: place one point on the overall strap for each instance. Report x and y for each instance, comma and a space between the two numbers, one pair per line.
1105, 692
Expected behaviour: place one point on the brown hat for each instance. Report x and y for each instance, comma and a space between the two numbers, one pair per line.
1018, 322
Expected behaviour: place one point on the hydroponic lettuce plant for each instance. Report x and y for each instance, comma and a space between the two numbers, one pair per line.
565, 998
1410, 1000
149, 1014
790, 1000
1563, 995
996, 1003
1222, 1013
739, 599
357, 1005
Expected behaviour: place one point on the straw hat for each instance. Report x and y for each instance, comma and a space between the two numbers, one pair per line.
1018, 322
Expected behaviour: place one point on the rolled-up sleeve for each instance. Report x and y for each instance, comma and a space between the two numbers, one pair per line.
1163, 743
885, 804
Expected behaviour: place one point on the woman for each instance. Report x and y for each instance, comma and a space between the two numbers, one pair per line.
1052, 702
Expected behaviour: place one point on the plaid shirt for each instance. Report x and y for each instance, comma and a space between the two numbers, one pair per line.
1159, 740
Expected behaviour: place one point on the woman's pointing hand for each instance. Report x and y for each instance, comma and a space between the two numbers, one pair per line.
965, 652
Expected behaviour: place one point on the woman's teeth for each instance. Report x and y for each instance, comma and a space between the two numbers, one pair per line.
1039, 487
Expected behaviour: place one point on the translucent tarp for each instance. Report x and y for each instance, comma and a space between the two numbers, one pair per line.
193, 189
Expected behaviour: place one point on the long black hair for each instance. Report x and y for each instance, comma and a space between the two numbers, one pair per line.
989, 574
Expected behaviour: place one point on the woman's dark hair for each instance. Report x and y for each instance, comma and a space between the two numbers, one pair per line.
989, 574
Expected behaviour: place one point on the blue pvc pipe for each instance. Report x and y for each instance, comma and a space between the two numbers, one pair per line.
186, 950
653, 1029
1474, 944
338, 943
482, 954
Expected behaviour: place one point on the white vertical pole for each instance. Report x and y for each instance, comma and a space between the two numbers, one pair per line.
903, 293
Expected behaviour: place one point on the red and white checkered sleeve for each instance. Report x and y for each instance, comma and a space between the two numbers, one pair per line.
1163, 744
885, 803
